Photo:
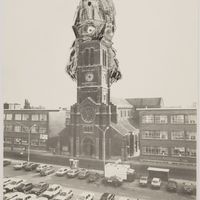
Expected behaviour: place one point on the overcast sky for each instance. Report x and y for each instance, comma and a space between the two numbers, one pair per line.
156, 43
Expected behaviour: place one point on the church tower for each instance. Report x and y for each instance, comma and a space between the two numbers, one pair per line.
94, 67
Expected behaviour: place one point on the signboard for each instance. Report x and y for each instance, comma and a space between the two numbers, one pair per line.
43, 137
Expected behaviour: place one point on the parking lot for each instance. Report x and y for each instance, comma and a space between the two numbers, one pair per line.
131, 190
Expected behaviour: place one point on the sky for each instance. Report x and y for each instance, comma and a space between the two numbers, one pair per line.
156, 43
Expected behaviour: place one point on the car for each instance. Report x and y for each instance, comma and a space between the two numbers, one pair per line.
47, 171
72, 173
156, 183
6, 162
52, 191
13, 184
24, 187
114, 181
64, 195
39, 188
40, 198
124, 198
93, 177
31, 166
6, 181
20, 165
41, 167
188, 188
86, 196
143, 181
12, 195
62, 171
171, 186
23, 196
107, 196
83, 174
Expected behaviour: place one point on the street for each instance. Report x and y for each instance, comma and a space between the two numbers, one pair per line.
127, 189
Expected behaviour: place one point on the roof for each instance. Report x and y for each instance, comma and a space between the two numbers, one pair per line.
166, 108
123, 127
146, 102
157, 169
121, 103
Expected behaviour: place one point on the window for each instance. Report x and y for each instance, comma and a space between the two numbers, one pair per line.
160, 151
178, 151
147, 119
42, 130
25, 117
43, 117
92, 56
190, 119
34, 129
88, 129
121, 113
17, 140
8, 128
34, 142
190, 136
7, 140
161, 119
18, 129
8, 116
42, 142
35, 117
191, 152
161, 135
177, 135
177, 119
24, 141
18, 117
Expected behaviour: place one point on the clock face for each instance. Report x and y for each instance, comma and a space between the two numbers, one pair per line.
89, 77
87, 30
88, 114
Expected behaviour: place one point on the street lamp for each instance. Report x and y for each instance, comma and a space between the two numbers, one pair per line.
29, 136
104, 144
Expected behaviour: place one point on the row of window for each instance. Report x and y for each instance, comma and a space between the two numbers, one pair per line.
125, 113
175, 151
163, 135
24, 141
21, 129
26, 117
173, 119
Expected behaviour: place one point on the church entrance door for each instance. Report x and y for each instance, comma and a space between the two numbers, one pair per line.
88, 147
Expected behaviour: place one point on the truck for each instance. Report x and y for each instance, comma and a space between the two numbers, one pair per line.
116, 173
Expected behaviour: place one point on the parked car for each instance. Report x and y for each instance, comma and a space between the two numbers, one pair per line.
13, 184
83, 174
107, 196
114, 181
20, 165
93, 177
143, 181
31, 166
6, 162
6, 181
52, 191
72, 173
188, 188
124, 198
172, 186
156, 183
64, 195
41, 167
62, 171
23, 196
39, 188
24, 187
47, 171
86, 196
12, 195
